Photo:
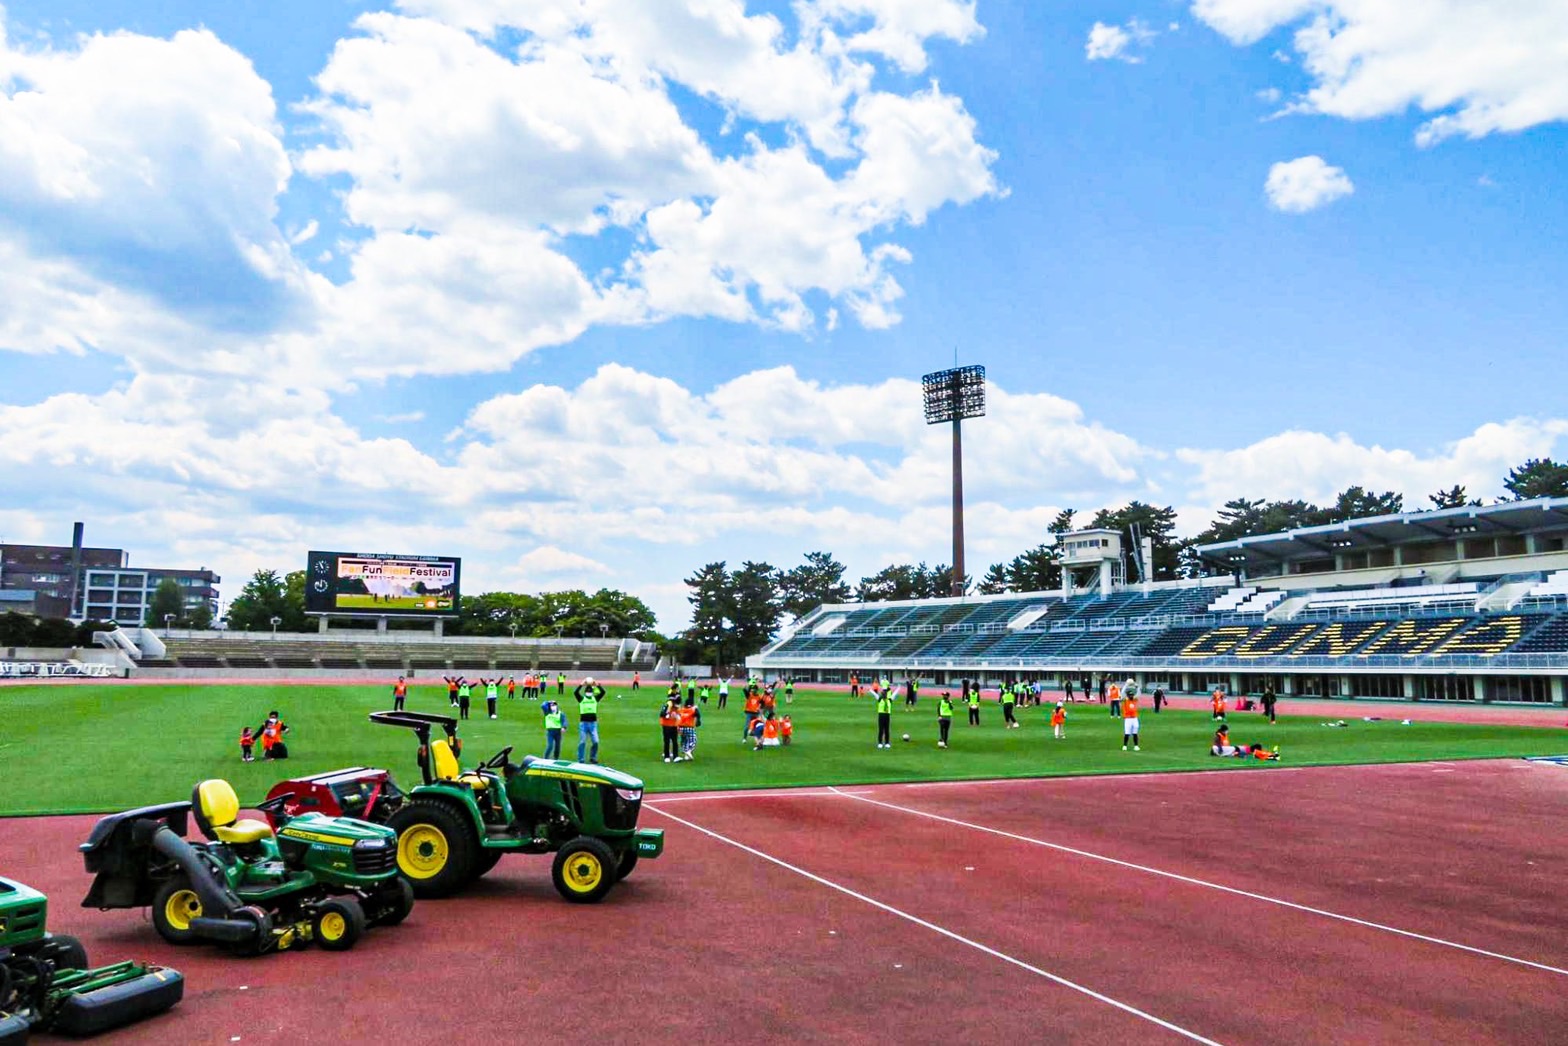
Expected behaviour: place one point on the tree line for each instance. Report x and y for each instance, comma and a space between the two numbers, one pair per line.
738, 612
573, 614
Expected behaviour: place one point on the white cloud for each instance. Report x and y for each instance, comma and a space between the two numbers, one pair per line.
1305, 184
1107, 42
547, 566
1315, 466
1478, 68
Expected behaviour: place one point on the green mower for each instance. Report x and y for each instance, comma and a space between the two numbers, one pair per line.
46, 985
454, 827
315, 879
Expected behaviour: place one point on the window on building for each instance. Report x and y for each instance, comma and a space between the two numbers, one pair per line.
1445, 688
1377, 686
1531, 689
1511, 545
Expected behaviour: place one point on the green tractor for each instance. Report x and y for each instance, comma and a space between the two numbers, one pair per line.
457, 824
46, 985
315, 879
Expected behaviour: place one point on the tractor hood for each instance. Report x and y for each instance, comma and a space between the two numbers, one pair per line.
334, 831
592, 773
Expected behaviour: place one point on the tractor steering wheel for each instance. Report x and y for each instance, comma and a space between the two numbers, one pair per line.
499, 759
275, 804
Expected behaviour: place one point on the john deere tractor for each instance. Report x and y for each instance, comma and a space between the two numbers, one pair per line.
454, 826
317, 878
46, 985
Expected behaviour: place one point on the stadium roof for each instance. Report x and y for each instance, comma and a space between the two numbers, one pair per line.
1509, 517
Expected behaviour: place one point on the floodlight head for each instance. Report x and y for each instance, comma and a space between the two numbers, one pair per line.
952, 395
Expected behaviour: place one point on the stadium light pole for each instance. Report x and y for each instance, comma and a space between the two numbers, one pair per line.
276, 621
168, 620
952, 396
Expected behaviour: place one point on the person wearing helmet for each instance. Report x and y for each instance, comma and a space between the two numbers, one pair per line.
588, 694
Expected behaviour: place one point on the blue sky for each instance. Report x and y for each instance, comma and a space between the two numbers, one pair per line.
594, 297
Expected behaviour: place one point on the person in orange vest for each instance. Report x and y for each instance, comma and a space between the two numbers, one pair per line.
1217, 703
399, 694
854, 685
1130, 723
272, 744
786, 730
1059, 721
753, 709
247, 745
1115, 692
511, 688
690, 718
636, 681
669, 722
768, 737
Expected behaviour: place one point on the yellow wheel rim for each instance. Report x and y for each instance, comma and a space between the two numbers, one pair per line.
333, 926
583, 872
182, 907
422, 851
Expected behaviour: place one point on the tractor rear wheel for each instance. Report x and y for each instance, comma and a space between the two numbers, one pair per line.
338, 924
173, 907
628, 862
584, 870
436, 847
486, 859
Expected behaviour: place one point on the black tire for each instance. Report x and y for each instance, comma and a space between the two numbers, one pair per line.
174, 905
628, 862
63, 952
584, 870
436, 847
337, 924
393, 903
485, 860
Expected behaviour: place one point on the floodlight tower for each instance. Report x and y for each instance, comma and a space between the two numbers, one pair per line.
953, 395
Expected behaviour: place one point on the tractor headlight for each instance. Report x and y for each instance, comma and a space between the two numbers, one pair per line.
631, 795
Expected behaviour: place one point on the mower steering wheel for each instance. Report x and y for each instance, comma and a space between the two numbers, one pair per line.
275, 803
499, 759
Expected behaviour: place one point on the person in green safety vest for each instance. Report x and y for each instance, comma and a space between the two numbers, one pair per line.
944, 717
885, 718
554, 724
492, 691
560, 682
1008, 700
972, 699
465, 694
588, 695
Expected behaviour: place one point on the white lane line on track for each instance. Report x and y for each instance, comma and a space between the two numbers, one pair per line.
1235, 891
830, 884
765, 793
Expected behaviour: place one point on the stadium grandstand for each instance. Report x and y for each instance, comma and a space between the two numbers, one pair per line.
1463, 604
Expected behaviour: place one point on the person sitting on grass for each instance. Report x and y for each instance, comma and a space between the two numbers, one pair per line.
1222, 747
769, 737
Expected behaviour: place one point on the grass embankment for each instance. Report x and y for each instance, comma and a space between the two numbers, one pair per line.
90, 748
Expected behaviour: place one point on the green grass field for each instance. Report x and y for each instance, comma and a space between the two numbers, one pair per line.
88, 748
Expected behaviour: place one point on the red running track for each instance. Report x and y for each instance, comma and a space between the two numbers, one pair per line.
714, 942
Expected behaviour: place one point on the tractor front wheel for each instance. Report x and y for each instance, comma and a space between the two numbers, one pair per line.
436, 848
173, 907
628, 862
63, 952
393, 903
584, 870
338, 924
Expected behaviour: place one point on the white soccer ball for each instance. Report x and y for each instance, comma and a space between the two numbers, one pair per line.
906, 737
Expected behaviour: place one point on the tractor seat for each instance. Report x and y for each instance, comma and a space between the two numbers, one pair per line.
447, 768
217, 811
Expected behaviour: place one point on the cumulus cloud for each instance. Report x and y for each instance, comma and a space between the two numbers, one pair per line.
1118, 42
1478, 69
546, 565
1305, 184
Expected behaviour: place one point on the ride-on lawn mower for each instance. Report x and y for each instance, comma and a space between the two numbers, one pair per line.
457, 824
321, 879
45, 984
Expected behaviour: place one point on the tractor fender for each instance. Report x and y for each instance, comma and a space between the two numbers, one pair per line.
216, 897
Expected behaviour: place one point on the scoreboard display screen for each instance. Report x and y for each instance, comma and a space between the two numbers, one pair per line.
376, 583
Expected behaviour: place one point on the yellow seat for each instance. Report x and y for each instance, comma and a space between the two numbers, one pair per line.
217, 811
447, 768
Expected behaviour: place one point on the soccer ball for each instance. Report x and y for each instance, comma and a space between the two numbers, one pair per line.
906, 737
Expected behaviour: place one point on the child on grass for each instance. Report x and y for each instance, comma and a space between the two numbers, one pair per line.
1059, 721
247, 745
